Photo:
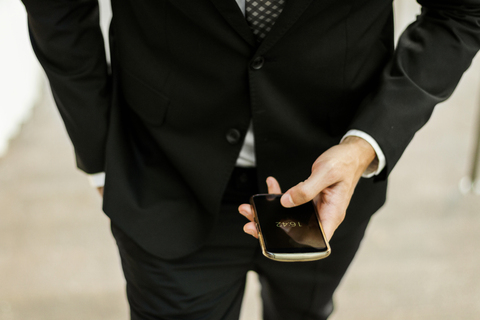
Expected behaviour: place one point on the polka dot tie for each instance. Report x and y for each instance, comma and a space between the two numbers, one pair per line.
261, 15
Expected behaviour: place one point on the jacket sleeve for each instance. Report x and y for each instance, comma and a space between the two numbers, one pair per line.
67, 40
430, 58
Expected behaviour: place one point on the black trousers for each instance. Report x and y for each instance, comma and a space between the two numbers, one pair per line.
209, 284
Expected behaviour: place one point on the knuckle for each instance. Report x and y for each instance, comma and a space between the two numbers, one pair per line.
304, 193
331, 169
334, 171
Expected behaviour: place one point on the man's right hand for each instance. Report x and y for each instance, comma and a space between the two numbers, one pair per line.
331, 184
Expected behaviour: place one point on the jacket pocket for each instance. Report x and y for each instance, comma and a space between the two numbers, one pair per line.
149, 104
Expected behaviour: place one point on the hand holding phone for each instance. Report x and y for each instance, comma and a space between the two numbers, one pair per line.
292, 228
288, 234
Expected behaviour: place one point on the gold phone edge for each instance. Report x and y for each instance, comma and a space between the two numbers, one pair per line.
296, 257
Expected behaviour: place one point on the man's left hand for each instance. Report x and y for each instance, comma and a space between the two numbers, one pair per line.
331, 184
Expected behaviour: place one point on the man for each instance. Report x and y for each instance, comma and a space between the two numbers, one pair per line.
202, 106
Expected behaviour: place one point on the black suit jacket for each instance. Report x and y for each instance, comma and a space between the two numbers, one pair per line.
187, 78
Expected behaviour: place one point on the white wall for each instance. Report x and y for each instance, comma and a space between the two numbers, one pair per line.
405, 13
20, 75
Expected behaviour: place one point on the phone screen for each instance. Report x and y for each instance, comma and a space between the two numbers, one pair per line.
288, 230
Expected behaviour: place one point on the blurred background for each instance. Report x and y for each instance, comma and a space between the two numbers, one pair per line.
419, 260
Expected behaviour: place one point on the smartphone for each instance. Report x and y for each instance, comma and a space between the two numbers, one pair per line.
288, 234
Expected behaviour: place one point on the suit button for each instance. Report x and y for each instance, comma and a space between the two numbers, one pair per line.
257, 63
233, 136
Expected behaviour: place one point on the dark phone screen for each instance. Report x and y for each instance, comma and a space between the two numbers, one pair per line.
288, 230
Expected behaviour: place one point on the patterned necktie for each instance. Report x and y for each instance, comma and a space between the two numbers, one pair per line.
261, 15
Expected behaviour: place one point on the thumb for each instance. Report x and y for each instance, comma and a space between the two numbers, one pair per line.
304, 191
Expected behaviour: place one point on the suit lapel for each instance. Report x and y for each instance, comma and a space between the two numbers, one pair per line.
290, 14
232, 13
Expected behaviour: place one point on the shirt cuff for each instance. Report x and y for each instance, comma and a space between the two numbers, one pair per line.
379, 163
97, 180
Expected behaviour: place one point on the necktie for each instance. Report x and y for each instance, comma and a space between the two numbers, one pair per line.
261, 15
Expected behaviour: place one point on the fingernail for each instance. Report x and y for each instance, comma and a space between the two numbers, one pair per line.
248, 231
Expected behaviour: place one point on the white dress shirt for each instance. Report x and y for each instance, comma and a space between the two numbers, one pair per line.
246, 157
